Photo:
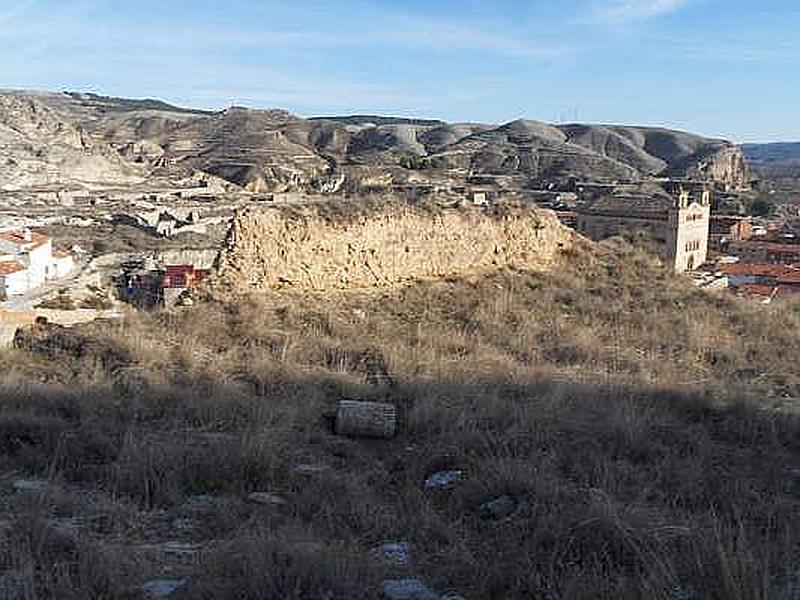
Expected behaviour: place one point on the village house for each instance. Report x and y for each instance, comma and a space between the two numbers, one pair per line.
679, 222
726, 228
27, 261
13, 279
178, 279
145, 284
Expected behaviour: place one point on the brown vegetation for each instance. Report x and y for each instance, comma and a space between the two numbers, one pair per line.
646, 428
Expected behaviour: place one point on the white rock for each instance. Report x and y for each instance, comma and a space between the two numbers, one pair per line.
266, 499
163, 588
68, 528
394, 554
407, 589
30, 485
443, 480
310, 469
183, 524
201, 502
180, 548
366, 419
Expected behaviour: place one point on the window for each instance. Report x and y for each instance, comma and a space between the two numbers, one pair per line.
692, 246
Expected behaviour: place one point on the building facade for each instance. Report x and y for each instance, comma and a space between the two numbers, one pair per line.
27, 261
13, 279
679, 223
725, 229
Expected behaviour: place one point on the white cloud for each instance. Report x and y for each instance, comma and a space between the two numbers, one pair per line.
442, 35
399, 31
624, 11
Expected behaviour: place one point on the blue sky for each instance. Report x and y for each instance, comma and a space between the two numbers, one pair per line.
728, 68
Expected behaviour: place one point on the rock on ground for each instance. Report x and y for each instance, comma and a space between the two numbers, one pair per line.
443, 480
366, 419
499, 508
266, 499
394, 554
408, 589
163, 588
29, 485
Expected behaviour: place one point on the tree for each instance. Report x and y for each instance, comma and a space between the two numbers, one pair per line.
761, 207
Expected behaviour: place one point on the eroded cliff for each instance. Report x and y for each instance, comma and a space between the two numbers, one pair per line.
315, 247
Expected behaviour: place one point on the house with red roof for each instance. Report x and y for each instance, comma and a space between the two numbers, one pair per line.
177, 279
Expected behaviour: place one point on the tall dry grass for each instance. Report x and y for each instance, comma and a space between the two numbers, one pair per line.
646, 427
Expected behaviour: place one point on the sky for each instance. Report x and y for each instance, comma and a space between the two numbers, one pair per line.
726, 68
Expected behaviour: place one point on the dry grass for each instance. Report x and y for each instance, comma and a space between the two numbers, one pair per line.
647, 427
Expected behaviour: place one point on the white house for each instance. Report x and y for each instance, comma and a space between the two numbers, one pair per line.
62, 265
13, 279
27, 256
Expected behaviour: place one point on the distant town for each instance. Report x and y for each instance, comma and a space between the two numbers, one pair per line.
128, 203
697, 226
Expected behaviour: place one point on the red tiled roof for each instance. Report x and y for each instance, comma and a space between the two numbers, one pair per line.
182, 276
781, 273
769, 246
759, 270
18, 237
179, 269
755, 289
11, 266
768, 291
790, 276
778, 247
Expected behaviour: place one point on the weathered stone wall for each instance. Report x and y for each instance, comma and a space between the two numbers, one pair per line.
309, 247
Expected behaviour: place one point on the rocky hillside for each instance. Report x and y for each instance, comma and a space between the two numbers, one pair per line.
51, 138
777, 165
41, 147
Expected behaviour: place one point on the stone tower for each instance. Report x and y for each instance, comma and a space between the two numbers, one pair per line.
687, 233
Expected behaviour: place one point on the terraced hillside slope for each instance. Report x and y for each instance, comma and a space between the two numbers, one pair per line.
271, 150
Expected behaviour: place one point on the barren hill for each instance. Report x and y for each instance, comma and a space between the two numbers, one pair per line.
783, 152
42, 147
89, 139
778, 164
